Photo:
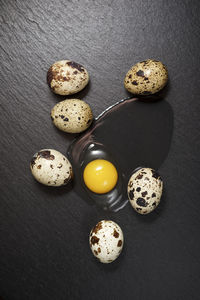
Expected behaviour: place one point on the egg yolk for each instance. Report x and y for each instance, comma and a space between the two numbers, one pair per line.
100, 176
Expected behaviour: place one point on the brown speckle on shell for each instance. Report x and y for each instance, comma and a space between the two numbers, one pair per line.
95, 251
138, 208
94, 240
131, 194
144, 194
75, 66
97, 227
119, 244
139, 176
141, 202
130, 184
33, 160
155, 174
116, 234
140, 73
46, 154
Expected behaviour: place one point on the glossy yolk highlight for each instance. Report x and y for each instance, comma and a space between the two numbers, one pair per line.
100, 176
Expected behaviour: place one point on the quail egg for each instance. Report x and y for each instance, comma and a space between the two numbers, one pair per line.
146, 77
72, 115
145, 190
66, 77
106, 241
51, 167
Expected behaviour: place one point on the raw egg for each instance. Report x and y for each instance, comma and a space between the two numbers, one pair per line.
100, 176
129, 134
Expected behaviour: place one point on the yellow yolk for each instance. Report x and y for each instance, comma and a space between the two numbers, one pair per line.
100, 176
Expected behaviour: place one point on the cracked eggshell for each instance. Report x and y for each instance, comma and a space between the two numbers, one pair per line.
72, 115
146, 77
145, 190
51, 167
106, 241
66, 77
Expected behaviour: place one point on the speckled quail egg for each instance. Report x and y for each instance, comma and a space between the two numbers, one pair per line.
51, 167
145, 190
66, 77
72, 115
106, 241
146, 77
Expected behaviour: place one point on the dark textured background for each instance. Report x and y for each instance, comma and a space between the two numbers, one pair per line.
44, 252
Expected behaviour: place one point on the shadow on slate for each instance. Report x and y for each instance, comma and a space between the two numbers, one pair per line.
136, 133
52, 192
80, 95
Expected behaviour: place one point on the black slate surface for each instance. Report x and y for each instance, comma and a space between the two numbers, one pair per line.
44, 252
